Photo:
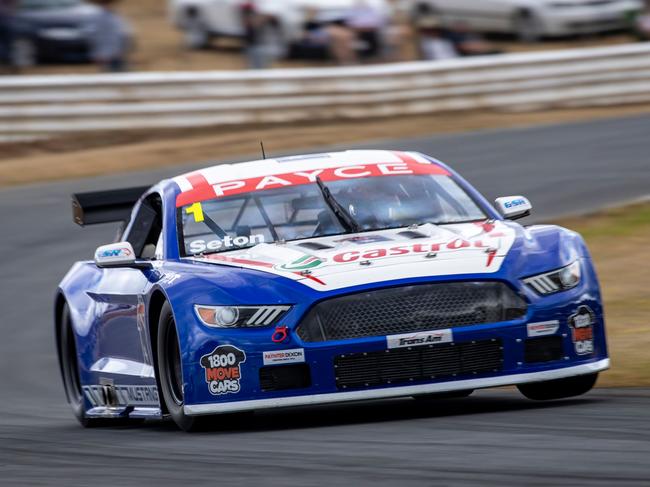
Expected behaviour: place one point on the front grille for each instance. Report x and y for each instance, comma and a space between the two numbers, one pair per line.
418, 364
423, 307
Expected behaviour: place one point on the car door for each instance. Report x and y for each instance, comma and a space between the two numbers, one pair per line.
122, 351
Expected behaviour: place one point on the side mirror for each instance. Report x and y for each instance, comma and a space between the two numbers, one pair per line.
119, 254
514, 207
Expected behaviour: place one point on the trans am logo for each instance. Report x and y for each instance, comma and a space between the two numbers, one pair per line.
305, 263
222, 370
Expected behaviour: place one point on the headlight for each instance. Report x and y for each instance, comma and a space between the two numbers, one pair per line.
240, 316
559, 280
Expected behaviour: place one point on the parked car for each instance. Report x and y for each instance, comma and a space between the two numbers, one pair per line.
203, 20
51, 30
531, 20
317, 279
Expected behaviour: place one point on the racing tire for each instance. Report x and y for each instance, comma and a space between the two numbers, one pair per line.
72, 382
444, 395
559, 388
527, 27
170, 373
70, 373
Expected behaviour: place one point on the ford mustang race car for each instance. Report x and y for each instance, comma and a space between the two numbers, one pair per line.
320, 279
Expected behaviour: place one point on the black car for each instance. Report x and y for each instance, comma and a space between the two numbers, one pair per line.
51, 31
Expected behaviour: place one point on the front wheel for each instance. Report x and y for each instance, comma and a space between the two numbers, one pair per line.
559, 388
70, 373
170, 372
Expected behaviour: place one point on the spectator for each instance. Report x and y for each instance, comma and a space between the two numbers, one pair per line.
643, 23
337, 40
397, 32
468, 43
6, 14
369, 24
111, 40
435, 43
255, 25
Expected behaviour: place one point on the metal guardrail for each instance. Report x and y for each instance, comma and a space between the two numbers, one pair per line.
47, 105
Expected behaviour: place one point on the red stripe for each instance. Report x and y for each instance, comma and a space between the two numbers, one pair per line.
405, 157
309, 276
233, 260
201, 190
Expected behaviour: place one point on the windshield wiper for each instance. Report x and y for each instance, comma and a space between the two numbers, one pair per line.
341, 213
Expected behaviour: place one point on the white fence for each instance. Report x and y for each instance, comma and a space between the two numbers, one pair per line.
45, 105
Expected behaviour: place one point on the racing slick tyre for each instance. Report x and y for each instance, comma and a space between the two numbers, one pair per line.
170, 372
444, 395
70, 375
559, 388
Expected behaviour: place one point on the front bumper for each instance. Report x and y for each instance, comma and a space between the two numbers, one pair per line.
320, 359
385, 393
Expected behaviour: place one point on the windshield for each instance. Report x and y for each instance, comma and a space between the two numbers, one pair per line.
46, 4
301, 212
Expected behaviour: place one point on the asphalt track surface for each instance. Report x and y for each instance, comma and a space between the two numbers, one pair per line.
493, 438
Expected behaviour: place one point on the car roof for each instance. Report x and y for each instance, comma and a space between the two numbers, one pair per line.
200, 185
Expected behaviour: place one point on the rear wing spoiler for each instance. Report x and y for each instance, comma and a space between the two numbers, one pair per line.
105, 206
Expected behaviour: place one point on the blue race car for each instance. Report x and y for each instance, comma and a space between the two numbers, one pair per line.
321, 279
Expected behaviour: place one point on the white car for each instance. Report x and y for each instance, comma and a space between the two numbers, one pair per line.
530, 20
202, 20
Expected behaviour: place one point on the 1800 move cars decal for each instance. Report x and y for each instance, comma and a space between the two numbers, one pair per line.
222, 369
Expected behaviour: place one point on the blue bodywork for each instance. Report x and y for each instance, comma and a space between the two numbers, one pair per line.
112, 311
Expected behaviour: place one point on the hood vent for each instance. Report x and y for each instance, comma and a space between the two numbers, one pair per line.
315, 246
412, 234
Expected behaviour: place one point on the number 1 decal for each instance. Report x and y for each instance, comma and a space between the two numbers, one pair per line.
197, 210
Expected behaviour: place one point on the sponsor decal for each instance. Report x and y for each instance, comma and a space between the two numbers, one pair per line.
418, 339
228, 242
202, 190
424, 248
123, 252
582, 330
137, 395
124, 395
170, 278
284, 356
515, 203
543, 329
304, 263
222, 369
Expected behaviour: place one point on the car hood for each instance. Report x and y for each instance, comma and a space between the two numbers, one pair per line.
330, 263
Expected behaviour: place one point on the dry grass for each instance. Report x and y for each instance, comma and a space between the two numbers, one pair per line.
619, 240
